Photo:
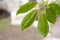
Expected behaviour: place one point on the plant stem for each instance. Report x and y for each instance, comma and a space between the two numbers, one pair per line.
47, 2
44, 4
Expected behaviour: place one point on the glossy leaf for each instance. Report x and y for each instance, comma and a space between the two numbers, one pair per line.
43, 26
51, 15
55, 7
28, 19
26, 7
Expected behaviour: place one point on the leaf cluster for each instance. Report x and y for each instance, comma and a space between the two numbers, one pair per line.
50, 15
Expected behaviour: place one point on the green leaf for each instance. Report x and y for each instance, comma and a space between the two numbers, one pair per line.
43, 26
51, 15
28, 20
55, 7
26, 7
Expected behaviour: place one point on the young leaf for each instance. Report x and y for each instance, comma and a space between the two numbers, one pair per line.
43, 26
55, 7
28, 19
51, 15
26, 7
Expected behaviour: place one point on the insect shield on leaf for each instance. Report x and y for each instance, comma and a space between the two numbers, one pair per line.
51, 15
28, 19
43, 26
26, 7
55, 7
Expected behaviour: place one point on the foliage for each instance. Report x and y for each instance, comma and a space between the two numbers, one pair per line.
49, 14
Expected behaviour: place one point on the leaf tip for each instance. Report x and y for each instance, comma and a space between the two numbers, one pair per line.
17, 12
